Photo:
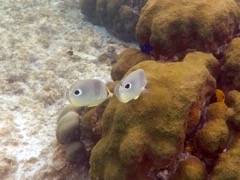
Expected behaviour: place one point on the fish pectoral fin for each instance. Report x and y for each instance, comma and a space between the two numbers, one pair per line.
92, 105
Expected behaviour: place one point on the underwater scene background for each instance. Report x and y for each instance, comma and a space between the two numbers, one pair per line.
165, 102
45, 47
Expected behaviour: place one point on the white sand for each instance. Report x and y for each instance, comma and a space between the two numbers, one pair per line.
35, 69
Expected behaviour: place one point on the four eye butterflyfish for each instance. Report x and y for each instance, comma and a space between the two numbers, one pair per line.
131, 86
88, 92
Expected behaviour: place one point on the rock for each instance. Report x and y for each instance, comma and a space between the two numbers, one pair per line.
119, 17
88, 8
150, 131
233, 102
68, 128
190, 168
69, 108
76, 152
108, 56
127, 59
231, 67
227, 166
174, 28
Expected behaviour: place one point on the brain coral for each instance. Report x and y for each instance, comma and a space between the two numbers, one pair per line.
150, 131
172, 27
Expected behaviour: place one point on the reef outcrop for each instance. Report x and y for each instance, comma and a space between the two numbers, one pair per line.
149, 132
127, 59
190, 168
179, 126
213, 137
176, 27
227, 166
119, 17
231, 67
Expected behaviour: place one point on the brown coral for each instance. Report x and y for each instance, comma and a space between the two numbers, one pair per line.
150, 131
173, 27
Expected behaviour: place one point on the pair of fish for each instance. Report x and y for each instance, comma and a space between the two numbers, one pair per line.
92, 92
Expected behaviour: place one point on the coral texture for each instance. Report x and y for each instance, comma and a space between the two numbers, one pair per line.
213, 137
78, 128
189, 169
119, 17
234, 103
149, 132
127, 59
231, 67
227, 166
173, 27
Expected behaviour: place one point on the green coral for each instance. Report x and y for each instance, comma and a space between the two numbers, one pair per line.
213, 137
150, 131
189, 169
173, 27
231, 77
127, 59
233, 100
227, 166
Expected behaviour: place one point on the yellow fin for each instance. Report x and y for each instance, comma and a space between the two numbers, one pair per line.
92, 105
136, 97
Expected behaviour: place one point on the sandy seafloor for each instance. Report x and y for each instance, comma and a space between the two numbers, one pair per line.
35, 69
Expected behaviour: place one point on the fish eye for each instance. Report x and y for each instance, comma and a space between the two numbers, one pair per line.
128, 86
78, 92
